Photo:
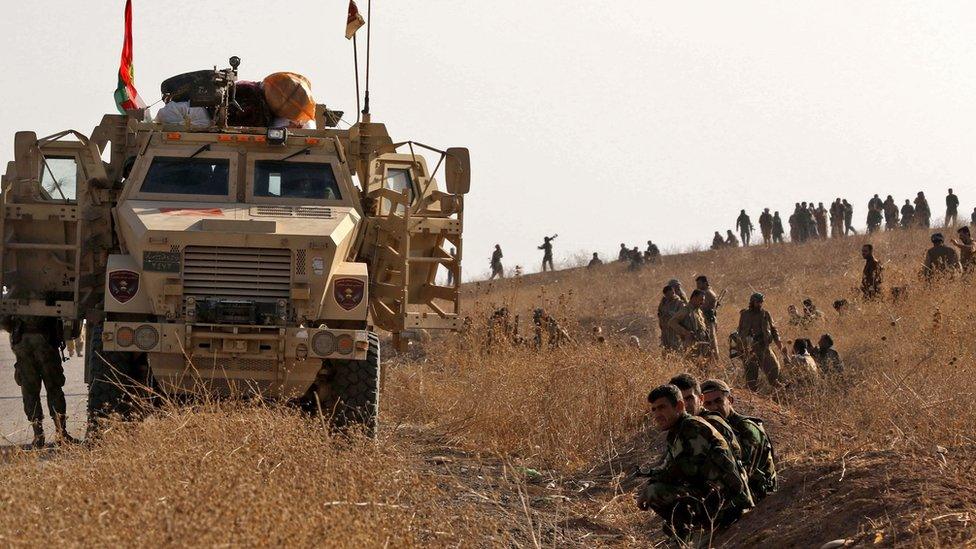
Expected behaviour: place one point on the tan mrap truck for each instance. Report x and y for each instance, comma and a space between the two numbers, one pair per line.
236, 260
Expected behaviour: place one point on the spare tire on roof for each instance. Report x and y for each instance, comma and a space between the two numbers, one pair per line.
289, 95
181, 86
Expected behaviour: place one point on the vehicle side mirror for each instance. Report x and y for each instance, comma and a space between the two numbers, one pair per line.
26, 155
458, 170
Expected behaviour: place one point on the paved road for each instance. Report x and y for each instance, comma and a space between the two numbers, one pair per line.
14, 428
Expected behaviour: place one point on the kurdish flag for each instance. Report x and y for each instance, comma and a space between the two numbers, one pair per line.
126, 96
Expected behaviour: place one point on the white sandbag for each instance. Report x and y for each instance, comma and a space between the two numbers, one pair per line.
180, 113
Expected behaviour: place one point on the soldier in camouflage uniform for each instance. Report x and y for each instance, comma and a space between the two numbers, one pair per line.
690, 326
757, 450
698, 482
669, 306
691, 394
757, 334
710, 306
37, 343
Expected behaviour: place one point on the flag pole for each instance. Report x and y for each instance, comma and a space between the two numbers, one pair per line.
355, 63
369, 26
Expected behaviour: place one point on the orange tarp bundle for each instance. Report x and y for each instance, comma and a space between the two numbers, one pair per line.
289, 95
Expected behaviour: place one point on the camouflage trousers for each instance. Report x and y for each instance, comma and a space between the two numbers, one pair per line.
38, 362
682, 506
762, 358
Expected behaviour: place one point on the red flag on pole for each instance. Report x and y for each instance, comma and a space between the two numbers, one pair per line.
354, 20
126, 96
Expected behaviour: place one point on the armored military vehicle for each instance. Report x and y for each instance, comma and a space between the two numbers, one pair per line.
239, 260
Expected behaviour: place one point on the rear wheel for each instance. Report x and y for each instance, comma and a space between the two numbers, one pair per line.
117, 382
350, 391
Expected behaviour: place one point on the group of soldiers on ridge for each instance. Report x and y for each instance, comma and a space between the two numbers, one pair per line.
809, 222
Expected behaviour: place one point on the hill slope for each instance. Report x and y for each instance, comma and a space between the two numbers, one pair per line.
493, 444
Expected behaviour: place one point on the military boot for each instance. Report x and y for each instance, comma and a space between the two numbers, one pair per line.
63, 436
38, 442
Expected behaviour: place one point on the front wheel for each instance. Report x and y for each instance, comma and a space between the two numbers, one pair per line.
351, 389
117, 382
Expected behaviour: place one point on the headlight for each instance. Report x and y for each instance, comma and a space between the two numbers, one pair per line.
277, 136
125, 336
345, 344
146, 337
323, 343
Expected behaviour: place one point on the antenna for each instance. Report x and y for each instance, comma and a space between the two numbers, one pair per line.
369, 27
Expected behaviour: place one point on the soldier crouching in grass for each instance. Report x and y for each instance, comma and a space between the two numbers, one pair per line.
698, 483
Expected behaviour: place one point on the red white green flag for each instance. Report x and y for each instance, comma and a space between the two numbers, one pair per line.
354, 20
126, 96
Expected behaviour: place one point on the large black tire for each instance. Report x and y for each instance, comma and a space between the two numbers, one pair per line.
351, 391
118, 382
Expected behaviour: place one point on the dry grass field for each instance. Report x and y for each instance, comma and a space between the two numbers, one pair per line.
509, 446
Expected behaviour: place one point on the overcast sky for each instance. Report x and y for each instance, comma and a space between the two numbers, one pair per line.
605, 122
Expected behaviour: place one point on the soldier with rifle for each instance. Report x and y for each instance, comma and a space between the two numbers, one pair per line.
547, 252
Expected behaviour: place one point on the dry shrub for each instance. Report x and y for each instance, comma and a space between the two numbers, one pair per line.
228, 475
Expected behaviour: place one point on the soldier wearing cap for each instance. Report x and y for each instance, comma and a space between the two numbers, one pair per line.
757, 334
678, 291
699, 482
940, 259
691, 394
669, 306
757, 450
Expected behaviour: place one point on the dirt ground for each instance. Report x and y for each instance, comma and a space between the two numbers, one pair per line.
14, 428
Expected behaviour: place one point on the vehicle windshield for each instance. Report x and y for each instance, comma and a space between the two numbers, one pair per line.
282, 179
201, 176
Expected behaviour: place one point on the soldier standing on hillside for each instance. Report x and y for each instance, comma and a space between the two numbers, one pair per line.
669, 306
876, 203
940, 259
710, 306
871, 276
595, 262
836, 219
744, 224
778, 228
848, 217
37, 343
923, 214
967, 249
689, 324
794, 221
890, 213
758, 333
952, 209
698, 482
766, 226
874, 219
496, 263
821, 216
547, 252
757, 450
907, 214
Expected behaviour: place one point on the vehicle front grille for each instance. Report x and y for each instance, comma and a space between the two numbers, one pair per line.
223, 271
